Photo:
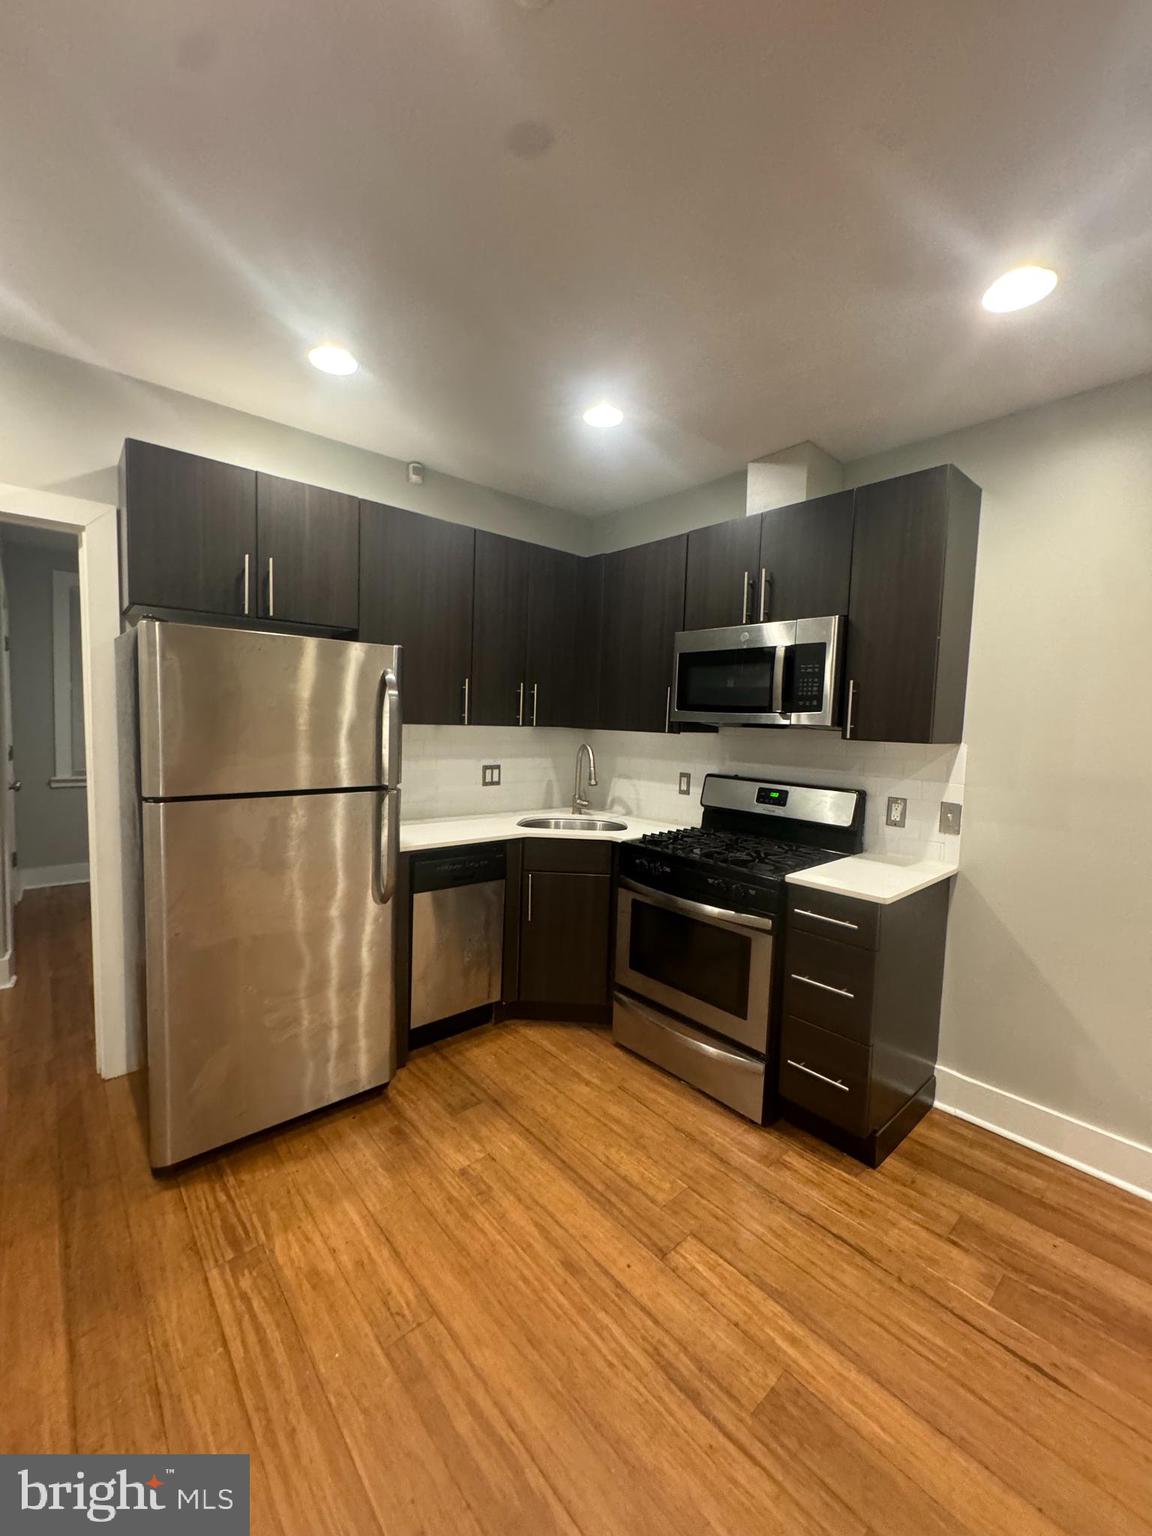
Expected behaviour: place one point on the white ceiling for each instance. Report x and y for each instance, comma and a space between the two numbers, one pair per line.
747, 222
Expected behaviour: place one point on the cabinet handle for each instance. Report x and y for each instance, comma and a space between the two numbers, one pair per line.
520, 705
529, 898
745, 594
823, 985
668, 709
535, 700
820, 918
764, 594
833, 1082
271, 589
247, 583
466, 683
851, 708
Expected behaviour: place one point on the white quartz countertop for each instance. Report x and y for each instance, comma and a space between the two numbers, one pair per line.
879, 877
455, 831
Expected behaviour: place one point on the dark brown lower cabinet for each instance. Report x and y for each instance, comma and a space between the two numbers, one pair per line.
861, 1007
565, 923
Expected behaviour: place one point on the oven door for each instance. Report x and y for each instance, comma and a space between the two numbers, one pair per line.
708, 965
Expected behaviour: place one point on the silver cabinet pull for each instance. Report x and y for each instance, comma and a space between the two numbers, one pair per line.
851, 705
529, 898
520, 704
535, 700
467, 682
823, 985
840, 922
271, 589
833, 1082
247, 584
763, 594
668, 709
745, 595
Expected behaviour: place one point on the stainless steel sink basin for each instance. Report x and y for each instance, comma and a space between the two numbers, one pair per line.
571, 824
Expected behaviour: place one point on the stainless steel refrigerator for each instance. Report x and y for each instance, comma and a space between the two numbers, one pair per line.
269, 774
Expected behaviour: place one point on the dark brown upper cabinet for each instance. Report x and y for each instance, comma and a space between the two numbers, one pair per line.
308, 554
187, 532
563, 638
910, 612
723, 571
643, 607
416, 591
805, 563
500, 631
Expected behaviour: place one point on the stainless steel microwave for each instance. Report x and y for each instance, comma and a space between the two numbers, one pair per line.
785, 673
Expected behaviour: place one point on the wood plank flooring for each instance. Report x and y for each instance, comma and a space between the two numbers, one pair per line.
538, 1287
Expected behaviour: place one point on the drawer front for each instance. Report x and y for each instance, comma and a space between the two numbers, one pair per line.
721, 1071
834, 917
825, 1074
829, 984
568, 856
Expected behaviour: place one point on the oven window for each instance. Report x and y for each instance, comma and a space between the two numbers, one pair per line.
740, 681
691, 956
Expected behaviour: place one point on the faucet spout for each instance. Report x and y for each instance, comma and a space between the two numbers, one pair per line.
579, 799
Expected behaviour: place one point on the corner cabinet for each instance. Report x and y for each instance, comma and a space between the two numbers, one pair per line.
643, 607
910, 610
565, 923
416, 591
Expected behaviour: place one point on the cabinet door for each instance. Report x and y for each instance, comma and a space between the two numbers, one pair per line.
643, 607
723, 570
564, 938
563, 639
500, 631
900, 536
308, 542
416, 591
187, 532
805, 564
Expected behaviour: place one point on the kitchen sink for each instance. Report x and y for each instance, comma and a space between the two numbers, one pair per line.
571, 824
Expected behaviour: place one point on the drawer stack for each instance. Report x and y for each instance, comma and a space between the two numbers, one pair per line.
861, 1009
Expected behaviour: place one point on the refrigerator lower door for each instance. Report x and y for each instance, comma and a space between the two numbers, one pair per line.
270, 968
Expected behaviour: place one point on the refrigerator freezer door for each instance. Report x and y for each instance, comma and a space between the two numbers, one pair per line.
245, 712
270, 973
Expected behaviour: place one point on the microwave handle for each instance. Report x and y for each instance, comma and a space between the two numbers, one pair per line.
778, 680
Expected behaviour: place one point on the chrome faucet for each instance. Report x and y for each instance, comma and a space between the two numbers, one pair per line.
579, 803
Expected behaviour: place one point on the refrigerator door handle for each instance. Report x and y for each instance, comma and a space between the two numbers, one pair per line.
387, 846
390, 729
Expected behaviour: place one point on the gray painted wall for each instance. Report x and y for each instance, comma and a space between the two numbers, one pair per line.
65, 422
51, 824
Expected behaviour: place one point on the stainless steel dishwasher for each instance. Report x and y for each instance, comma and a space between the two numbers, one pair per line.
457, 931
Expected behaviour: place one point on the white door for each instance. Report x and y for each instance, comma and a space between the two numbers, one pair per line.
7, 800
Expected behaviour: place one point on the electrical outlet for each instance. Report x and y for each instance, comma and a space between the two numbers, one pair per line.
950, 814
897, 811
489, 774
685, 783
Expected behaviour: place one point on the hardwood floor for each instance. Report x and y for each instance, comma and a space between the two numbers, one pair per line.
537, 1287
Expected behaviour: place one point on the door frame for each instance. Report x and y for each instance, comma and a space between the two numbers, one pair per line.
118, 1047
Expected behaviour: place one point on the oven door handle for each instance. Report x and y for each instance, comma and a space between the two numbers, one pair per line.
699, 908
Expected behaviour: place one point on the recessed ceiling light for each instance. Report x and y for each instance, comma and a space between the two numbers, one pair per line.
603, 415
332, 359
1019, 288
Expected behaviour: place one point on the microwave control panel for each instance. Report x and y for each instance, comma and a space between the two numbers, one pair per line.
808, 679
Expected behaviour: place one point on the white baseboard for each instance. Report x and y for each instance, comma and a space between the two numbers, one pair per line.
52, 874
7, 974
1100, 1153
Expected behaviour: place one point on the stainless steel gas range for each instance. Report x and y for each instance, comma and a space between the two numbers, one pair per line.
699, 917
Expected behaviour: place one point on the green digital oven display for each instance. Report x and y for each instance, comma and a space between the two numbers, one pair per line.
771, 797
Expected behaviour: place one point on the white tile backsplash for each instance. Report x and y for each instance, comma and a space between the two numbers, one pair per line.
638, 774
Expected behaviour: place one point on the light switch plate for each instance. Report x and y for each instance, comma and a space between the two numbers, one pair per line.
685, 783
950, 814
897, 811
489, 774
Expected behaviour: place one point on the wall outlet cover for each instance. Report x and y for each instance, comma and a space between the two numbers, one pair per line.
685, 783
950, 814
897, 811
489, 774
